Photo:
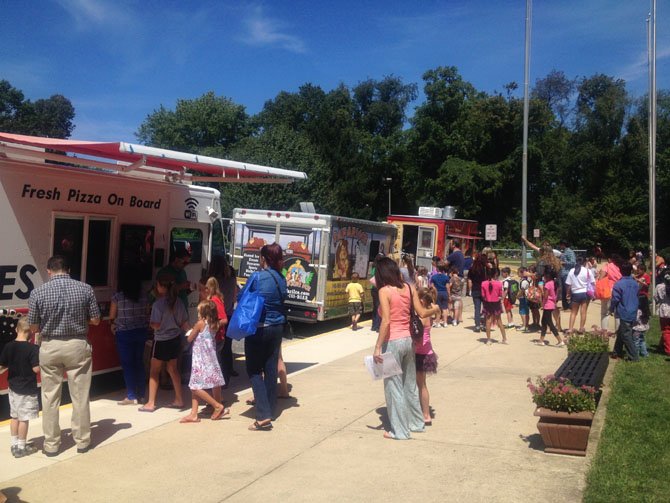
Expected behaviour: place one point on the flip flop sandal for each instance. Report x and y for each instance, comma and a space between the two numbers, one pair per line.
218, 415
189, 420
260, 427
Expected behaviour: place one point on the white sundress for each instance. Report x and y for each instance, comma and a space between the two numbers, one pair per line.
205, 370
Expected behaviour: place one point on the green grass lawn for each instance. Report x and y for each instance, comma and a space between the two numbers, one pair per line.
633, 458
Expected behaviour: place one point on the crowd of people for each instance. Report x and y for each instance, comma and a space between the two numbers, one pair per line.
61, 310
558, 281
59, 315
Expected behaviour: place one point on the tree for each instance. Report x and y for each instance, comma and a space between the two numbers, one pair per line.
205, 122
51, 117
278, 147
380, 106
557, 91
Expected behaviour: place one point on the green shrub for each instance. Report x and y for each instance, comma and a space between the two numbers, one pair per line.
590, 342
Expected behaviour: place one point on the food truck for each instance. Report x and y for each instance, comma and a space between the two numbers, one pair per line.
104, 206
429, 233
320, 254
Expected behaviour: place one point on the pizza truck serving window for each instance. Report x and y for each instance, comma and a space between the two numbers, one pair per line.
85, 242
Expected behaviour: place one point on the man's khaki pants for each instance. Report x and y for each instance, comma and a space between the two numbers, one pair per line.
73, 357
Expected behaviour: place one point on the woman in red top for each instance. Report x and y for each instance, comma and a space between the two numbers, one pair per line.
402, 396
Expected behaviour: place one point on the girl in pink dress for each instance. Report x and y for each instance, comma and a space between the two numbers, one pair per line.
205, 371
492, 291
548, 306
426, 359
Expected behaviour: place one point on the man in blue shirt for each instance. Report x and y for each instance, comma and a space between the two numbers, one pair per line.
625, 303
456, 258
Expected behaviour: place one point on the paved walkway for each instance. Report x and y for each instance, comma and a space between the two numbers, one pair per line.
327, 443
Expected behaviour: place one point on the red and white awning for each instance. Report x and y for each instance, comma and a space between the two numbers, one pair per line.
129, 155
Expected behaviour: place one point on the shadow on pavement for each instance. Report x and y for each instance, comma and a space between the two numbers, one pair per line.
100, 431
534, 441
385, 424
11, 495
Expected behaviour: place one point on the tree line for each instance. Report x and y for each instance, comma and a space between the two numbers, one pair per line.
587, 152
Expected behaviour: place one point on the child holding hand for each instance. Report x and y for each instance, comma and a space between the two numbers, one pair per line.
205, 371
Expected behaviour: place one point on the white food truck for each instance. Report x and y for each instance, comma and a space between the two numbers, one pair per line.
104, 205
320, 254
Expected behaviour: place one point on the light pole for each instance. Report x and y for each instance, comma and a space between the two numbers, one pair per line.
524, 158
388, 181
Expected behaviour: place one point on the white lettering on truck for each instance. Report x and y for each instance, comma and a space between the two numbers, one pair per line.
8, 279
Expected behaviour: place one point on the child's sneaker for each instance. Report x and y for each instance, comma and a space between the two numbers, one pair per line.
454, 323
14, 449
436, 325
26, 451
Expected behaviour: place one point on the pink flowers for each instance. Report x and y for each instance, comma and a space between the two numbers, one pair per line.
560, 394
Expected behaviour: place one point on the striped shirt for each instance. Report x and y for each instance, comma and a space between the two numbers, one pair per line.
62, 307
130, 315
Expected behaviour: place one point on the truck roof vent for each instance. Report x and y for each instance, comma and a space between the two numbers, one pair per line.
427, 211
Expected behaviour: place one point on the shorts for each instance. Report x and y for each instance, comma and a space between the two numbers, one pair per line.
579, 298
355, 308
23, 407
167, 350
443, 300
491, 308
457, 300
524, 308
508, 305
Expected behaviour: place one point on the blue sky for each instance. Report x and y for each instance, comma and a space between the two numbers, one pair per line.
119, 60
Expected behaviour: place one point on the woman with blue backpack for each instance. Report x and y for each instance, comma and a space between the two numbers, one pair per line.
262, 349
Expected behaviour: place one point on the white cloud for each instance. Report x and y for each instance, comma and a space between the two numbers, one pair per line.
264, 31
95, 12
639, 69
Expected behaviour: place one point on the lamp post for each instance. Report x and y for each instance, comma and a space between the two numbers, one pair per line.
388, 181
524, 158
651, 54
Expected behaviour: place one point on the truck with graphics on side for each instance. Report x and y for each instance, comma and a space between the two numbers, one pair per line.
104, 206
320, 254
